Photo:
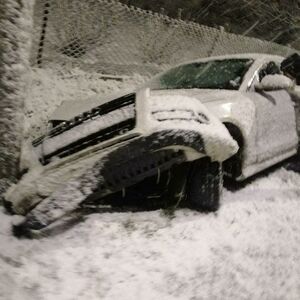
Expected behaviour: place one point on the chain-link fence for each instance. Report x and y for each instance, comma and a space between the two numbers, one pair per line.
109, 37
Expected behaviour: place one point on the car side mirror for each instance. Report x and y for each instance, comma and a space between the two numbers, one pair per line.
274, 83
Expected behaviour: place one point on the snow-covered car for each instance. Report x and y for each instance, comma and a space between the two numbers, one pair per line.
233, 111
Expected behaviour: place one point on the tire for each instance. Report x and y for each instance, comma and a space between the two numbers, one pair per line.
205, 185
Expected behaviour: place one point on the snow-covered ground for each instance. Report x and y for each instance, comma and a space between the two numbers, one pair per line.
249, 249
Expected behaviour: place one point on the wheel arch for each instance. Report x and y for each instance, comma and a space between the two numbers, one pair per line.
233, 165
235, 132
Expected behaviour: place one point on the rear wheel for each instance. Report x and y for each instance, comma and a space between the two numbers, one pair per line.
205, 185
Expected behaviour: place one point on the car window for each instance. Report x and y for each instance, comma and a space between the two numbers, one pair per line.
216, 74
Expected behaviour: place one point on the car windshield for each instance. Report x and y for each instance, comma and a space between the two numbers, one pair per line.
216, 74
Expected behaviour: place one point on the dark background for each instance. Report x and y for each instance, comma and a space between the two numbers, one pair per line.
272, 20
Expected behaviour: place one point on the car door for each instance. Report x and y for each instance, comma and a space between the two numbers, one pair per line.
275, 121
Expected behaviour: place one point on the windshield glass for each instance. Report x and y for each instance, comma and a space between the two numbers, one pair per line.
217, 74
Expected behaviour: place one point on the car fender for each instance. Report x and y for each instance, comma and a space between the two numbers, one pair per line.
241, 113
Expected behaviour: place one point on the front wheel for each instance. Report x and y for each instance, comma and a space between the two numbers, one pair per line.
205, 185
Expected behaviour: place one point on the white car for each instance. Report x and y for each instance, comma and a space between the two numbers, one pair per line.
177, 130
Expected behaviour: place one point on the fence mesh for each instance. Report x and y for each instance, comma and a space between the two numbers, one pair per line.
75, 42
110, 37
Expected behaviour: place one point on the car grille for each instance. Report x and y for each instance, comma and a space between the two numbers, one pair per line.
100, 124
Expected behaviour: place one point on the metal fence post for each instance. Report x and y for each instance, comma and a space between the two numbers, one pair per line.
15, 35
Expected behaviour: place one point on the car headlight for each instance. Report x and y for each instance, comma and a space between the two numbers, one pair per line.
179, 114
